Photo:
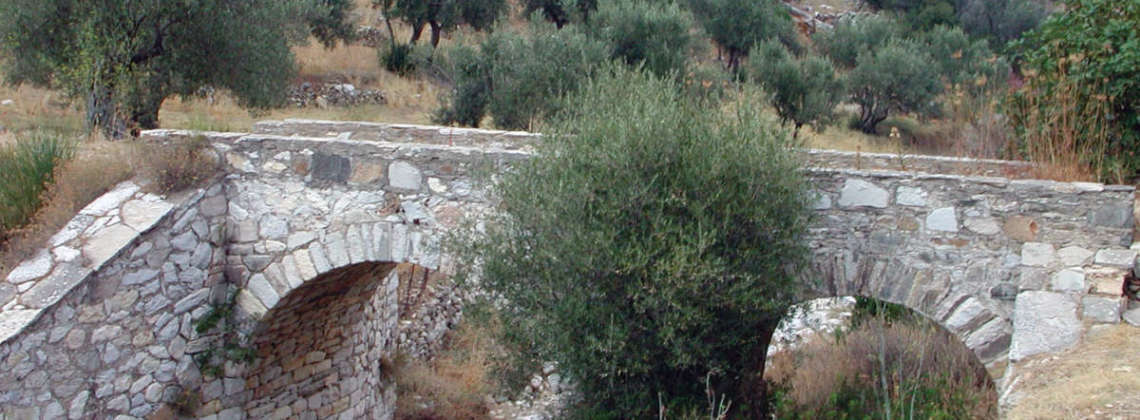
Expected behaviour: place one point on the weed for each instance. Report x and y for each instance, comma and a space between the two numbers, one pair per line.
177, 165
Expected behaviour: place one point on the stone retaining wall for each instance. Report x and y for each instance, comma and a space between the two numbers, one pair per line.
102, 324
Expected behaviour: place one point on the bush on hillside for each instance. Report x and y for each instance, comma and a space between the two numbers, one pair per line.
518, 79
803, 91
648, 245
638, 32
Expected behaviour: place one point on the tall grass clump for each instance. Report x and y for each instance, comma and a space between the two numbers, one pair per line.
650, 248
27, 167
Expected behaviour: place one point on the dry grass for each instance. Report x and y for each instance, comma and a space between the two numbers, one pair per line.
1098, 379
455, 384
811, 375
1066, 140
175, 166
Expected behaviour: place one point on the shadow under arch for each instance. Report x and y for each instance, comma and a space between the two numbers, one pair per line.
320, 351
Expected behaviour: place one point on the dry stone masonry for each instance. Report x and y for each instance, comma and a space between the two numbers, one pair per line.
271, 292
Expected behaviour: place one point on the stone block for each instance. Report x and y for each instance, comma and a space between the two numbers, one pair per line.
860, 193
1112, 215
1037, 254
1115, 257
1101, 309
1068, 280
1132, 316
1074, 256
405, 176
942, 220
106, 244
1043, 322
983, 225
14, 321
333, 168
910, 196
1021, 228
31, 269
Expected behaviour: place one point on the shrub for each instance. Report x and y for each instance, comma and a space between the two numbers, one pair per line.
518, 79
894, 78
803, 91
26, 170
454, 384
649, 244
178, 165
639, 32
398, 59
1091, 53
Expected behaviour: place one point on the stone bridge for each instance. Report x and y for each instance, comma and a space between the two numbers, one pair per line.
270, 291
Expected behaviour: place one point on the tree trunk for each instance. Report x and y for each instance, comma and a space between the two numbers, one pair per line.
436, 31
753, 394
417, 30
102, 113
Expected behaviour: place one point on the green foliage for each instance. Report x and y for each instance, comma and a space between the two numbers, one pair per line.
648, 244
26, 170
329, 21
443, 15
894, 78
738, 25
803, 91
212, 360
639, 32
1094, 48
398, 59
854, 36
962, 61
124, 58
518, 79
1000, 21
561, 12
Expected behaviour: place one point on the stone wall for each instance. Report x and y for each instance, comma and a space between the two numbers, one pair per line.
102, 324
979, 255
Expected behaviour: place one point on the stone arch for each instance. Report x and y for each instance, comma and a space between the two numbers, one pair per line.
324, 321
947, 296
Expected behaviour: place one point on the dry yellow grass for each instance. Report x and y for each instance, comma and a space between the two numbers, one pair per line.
1099, 379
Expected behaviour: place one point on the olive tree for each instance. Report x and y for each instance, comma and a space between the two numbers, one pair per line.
125, 58
518, 78
803, 91
738, 25
648, 246
638, 32
894, 78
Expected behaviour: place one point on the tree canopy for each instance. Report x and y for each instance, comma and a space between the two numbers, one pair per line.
125, 58
650, 245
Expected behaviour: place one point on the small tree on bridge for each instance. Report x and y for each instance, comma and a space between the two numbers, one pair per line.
650, 245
